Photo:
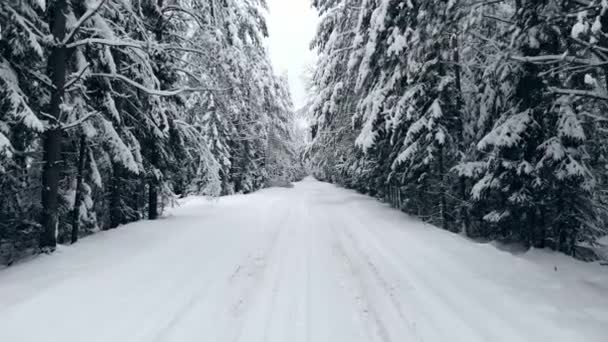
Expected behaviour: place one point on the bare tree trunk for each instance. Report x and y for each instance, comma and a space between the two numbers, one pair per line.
399, 200
442, 190
152, 183
78, 198
152, 200
52, 137
464, 214
464, 210
116, 215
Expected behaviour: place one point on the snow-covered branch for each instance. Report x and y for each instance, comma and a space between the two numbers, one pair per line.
26, 24
156, 92
495, 18
139, 86
79, 121
77, 76
549, 59
185, 49
108, 42
88, 14
189, 74
43, 79
576, 92
51, 118
173, 8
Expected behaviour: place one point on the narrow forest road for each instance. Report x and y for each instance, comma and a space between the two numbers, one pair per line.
314, 263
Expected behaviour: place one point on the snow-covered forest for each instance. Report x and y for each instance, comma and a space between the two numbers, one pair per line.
111, 109
438, 172
486, 118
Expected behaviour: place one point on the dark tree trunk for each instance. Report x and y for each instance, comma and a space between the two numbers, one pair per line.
152, 200
464, 210
52, 137
50, 188
116, 216
153, 183
457, 68
78, 198
464, 215
442, 191
542, 238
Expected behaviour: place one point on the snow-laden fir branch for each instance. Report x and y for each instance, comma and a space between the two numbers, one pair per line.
108, 42
135, 45
21, 19
549, 59
77, 76
576, 92
157, 92
197, 18
39, 77
79, 121
88, 14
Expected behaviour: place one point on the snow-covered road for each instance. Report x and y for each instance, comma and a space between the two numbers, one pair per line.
314, 263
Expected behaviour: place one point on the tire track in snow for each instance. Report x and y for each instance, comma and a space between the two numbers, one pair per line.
257, 269
356, 283
449, 306
271, 305
201, 289
384, 285
307, 301
422, 292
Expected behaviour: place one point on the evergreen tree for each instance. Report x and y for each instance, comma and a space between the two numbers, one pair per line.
482, 117
104, 112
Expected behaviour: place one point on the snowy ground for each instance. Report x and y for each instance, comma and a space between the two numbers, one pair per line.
313, 263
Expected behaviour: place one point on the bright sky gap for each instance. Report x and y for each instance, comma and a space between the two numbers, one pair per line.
292, 25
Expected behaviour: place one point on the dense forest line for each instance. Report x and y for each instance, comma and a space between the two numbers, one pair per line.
483, 117
110, 109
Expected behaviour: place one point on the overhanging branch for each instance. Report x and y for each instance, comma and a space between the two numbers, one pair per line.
576, 92
157, 92
108, 42
88, 14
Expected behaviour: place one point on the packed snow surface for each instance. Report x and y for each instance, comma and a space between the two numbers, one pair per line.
312, 263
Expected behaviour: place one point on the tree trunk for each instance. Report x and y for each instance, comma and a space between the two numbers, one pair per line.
457, 68
442, 190
52, 137
116, 217
78, 198
464, 210
464, 216
542, 238
152, 200
50, 188
152, 183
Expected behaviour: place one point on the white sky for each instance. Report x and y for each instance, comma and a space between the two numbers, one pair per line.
292, 25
